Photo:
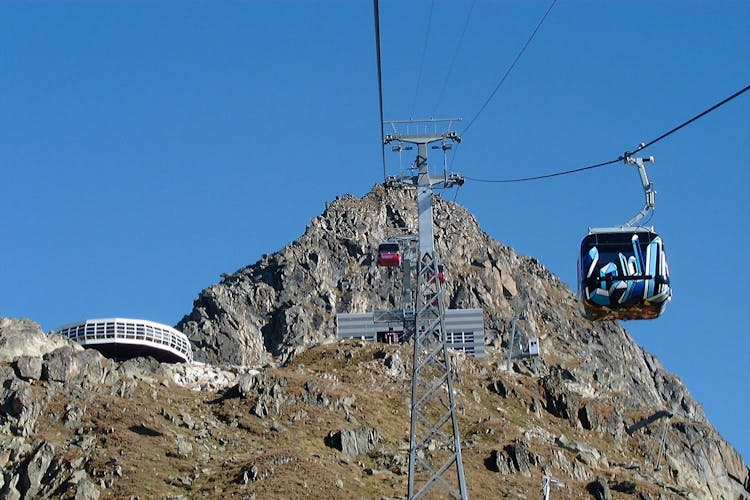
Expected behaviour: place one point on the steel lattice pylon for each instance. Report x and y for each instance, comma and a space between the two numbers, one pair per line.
434, 437
435, 441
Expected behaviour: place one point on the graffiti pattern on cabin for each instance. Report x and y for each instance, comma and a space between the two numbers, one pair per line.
625, 280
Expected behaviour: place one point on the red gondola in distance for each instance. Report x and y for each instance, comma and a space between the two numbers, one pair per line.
389, 255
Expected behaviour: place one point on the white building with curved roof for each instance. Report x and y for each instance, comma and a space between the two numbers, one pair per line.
123, 338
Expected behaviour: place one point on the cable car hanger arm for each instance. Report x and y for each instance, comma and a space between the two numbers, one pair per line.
648, 187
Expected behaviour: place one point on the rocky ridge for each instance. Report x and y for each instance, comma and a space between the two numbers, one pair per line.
333, 422
288, 300
283, 410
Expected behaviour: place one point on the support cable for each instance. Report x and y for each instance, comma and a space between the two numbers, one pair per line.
455, 55
513, 65
380, 79
700, 115
627, 154
456, 194
524, 179
424, 53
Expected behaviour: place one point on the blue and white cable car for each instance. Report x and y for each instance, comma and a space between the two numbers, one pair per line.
622, 271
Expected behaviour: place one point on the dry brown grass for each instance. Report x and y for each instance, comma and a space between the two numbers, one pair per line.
285, 455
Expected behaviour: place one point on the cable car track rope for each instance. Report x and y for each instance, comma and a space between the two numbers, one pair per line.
424, 56
547, 176
627, 153
700, 115
453, 59
510, 68
380, 80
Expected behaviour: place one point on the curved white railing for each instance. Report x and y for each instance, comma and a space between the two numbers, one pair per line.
129, 331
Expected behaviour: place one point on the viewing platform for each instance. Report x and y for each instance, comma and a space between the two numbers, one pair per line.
122, 338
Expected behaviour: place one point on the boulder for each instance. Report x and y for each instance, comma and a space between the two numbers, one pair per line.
588, 416
514, 458
23, 337
69, 364
560, 401
353, 442
30, 481
599, 489
21, 407
586, 453
86, 490
28, 367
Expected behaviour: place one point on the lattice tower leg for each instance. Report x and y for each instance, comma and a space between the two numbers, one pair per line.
435, 441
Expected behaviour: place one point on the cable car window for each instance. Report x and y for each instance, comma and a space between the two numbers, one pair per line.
389, 255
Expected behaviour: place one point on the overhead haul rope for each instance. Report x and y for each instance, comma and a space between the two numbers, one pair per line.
627, 154
380, 79
505, 76
510, 68
524, 179
700, 115
453, 59
424, 54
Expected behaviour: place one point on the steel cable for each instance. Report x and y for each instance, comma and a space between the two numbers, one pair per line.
510, 68
380, 79
627, 153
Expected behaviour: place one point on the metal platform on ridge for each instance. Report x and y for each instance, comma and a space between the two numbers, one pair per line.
121, 338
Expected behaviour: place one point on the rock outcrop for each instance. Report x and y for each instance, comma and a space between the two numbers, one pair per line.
288, 300
24, 337
333, 423
280, 408
39, 372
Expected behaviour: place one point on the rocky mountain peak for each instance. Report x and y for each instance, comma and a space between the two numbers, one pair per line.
281, 408
288, 301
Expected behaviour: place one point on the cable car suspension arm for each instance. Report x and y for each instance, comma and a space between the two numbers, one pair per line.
648, 188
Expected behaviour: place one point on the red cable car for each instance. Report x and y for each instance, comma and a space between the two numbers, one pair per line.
441, 273
389, 255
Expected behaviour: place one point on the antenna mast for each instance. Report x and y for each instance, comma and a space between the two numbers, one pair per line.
434, 438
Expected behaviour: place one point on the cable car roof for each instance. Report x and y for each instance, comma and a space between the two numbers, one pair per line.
622, 229
389, 247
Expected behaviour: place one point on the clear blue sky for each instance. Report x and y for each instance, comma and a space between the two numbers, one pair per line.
148, 147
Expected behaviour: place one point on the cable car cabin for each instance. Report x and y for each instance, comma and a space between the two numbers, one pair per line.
441, 273
389, 255
623, 274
